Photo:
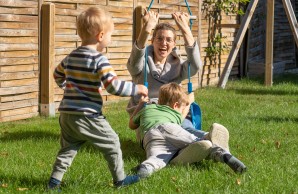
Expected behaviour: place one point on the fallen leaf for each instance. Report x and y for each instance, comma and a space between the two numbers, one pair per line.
22, 189
238, 181
174, 178
4, 185
263, 141
4, 154
277, 144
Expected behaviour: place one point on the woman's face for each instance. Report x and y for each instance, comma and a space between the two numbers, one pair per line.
163, 43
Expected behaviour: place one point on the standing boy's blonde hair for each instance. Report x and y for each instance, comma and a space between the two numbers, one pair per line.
171, 93
92, 21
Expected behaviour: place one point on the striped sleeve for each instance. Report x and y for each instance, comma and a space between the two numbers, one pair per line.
59, 75
111, 82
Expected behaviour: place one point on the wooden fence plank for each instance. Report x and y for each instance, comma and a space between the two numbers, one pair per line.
19, 111
13, 25
31, 95
18, 75
18, 47
16, 61
18, 32
19, 11
18, 3
20, 82
22, 116
18, 18
11, 54
30, 67
18, 90
18, 40
17, 104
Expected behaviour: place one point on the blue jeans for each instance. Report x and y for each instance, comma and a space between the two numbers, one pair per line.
188, 126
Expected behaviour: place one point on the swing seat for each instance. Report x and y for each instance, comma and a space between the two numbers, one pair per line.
196, 115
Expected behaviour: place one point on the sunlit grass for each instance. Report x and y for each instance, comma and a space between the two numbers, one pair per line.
262, 122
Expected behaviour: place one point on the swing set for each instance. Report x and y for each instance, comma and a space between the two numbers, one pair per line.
195, 110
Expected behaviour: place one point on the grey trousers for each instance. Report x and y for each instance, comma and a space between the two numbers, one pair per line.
163, 142
78, 129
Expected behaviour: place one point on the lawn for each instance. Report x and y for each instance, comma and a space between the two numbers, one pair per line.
262, 121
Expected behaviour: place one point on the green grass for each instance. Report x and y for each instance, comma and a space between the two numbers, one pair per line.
262, 122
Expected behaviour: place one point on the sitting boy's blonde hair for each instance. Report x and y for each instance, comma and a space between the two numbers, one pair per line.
171, 93
92, 21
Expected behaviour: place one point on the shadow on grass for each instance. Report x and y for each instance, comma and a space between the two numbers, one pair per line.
264, 92
277, 80
34, 135
276, 119
130, 149
23, 182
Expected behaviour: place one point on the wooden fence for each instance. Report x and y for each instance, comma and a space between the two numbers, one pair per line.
35, 35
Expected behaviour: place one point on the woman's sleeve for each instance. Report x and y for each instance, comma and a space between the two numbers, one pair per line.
135, 63
194, 58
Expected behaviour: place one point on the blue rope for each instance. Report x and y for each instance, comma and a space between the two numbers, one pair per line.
150, 5
189, 86
146, 54
145, 72
189, 11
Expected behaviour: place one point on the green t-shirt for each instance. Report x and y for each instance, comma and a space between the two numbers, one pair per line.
154, 114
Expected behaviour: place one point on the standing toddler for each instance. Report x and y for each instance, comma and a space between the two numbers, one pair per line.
82, 74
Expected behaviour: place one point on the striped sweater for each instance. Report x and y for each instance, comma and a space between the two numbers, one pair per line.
82, 74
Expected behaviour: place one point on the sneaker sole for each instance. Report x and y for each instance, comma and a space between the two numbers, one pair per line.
195, 152
219, 135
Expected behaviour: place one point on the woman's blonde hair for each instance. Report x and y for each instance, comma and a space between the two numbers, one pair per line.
171, 93
92, 21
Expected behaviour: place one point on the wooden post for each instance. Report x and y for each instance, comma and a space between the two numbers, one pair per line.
292, 18
269, 43
137, 20
47, 56
200, 73
237, 43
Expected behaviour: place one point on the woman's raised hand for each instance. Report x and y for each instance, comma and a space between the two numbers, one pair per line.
181, 19
150, 19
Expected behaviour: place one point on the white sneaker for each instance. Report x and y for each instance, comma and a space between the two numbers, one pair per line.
219, 135
194, 152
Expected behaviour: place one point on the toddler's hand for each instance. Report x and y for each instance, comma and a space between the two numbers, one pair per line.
143, 100
142, 90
